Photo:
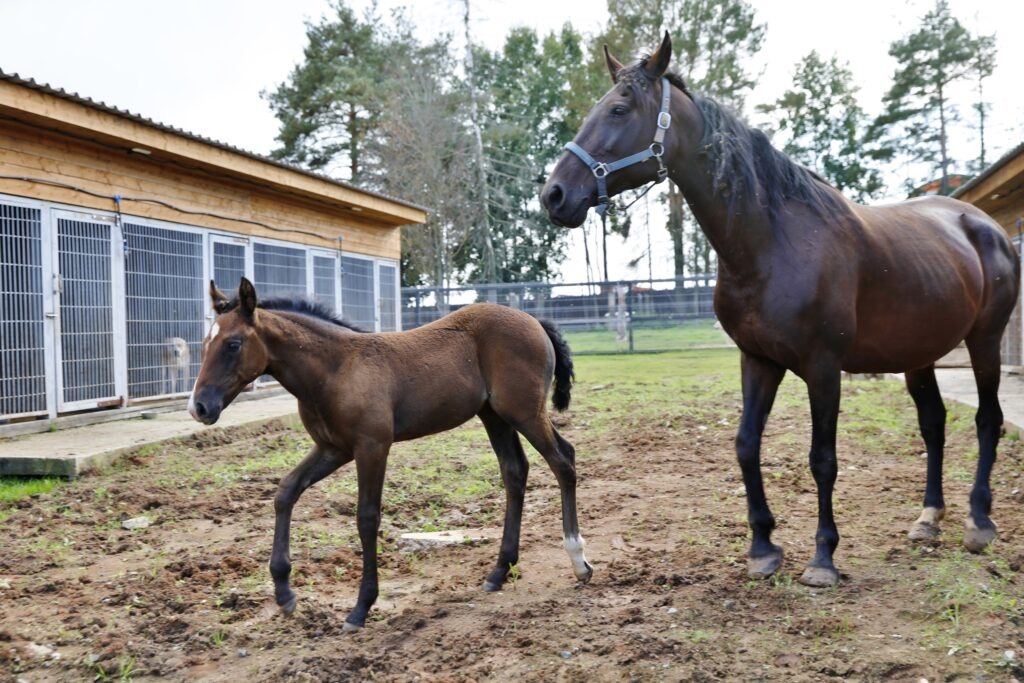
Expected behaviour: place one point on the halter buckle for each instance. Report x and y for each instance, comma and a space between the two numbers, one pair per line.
664, 120
600, 171
657, 149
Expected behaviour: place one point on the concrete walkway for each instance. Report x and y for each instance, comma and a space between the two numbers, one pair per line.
958, 384
69, 452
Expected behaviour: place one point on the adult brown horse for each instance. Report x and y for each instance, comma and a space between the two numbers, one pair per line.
358, 393
808, 281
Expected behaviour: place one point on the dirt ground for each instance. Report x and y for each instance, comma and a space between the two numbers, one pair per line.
189, 597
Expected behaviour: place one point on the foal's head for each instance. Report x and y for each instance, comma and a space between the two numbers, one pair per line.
622, 123
234, 355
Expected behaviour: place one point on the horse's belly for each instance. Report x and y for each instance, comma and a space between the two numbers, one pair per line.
914, 342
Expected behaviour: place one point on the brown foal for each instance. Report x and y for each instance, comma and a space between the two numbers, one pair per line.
358, 393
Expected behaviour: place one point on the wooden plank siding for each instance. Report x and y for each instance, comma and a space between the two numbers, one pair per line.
46, 137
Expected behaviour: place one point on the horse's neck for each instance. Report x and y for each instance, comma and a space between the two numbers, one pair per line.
738, 238
295, 352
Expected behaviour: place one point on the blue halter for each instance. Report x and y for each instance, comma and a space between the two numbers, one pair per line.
656, 150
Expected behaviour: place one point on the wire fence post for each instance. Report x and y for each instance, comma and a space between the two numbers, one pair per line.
629, 313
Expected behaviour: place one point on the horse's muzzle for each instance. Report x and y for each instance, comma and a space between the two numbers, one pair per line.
205, 407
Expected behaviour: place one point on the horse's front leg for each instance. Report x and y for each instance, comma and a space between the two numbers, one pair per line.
823, 387
761, 380
371, 462
318, 464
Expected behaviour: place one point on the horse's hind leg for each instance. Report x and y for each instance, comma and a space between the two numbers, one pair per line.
985, 359
760, 383
561, 457
514, 469
931, 417
314, 467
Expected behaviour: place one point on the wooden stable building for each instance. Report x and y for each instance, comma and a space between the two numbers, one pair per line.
112, 224
999, 191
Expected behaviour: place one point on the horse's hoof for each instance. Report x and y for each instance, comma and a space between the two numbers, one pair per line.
491, 587
288, 608
976, 539
349, 627
764, 566
924, 531
820, 577
587, 575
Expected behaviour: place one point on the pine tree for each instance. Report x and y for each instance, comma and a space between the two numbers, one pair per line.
920, 108
825, 127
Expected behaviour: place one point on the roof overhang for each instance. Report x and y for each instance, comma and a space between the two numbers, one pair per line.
42, 106
999, 188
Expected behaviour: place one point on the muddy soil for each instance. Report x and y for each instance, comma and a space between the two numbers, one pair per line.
189, 597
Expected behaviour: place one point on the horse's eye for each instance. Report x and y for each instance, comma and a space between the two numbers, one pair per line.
234, 345
619, 110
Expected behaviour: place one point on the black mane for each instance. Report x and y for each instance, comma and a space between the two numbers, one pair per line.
298, 305
744, 162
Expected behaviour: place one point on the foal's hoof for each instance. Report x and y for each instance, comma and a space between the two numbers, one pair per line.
820, 577
491, 587
585, 576
924, 531
349, 627
764, 566
977, 539
288, 608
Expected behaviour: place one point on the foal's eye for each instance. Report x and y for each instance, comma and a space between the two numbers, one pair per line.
234, 345
619, 110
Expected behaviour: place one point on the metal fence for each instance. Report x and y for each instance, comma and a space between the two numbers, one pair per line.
604, 317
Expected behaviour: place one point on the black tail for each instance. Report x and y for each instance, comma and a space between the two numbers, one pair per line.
564, 374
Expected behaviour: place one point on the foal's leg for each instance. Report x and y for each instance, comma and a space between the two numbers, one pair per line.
985, 359
514, 468
823, 386
371, 462
318, 464
561, 457
761, 380
931, 416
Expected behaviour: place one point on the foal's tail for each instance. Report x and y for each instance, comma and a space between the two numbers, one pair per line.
564, 374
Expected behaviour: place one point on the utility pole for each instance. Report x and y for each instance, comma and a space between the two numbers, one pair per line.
486, 241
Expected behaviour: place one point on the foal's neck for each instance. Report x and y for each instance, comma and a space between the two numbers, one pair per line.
302, 350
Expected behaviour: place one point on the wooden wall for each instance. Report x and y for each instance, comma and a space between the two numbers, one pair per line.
64, 157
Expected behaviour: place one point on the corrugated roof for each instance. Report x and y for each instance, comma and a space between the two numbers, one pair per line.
989, 170
138, 118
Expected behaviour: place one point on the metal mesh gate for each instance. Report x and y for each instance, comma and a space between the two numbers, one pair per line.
165, 308
279, 271
87, 368
388, 298
22, 330
325, 279
357, 292
228, 266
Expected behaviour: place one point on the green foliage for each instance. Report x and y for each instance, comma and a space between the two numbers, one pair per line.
825, 126
16, 488
919, 107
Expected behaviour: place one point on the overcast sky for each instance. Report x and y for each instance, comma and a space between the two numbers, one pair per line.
201, 64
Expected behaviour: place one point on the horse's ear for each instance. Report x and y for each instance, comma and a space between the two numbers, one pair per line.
614, 65
217, 299
246, 298
657, 64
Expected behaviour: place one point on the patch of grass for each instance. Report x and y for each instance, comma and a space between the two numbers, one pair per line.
13, 489
649, 336
966, 592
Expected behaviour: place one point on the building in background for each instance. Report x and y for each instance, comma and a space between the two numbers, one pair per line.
999, 192
111, 226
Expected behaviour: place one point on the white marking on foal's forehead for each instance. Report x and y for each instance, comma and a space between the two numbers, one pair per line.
214, 331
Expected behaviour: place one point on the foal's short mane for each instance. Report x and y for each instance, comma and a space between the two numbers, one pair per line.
298, 305
743, 159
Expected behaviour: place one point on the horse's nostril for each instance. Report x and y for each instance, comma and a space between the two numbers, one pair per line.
554, 196
201, 409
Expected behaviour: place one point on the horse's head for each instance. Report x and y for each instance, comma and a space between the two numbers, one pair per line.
234, 355
625, 122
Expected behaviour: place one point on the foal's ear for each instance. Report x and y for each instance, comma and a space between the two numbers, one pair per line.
246, 298
614, 65
217, 299
657, 64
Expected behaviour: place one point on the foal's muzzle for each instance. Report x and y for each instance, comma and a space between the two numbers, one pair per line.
205, 406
